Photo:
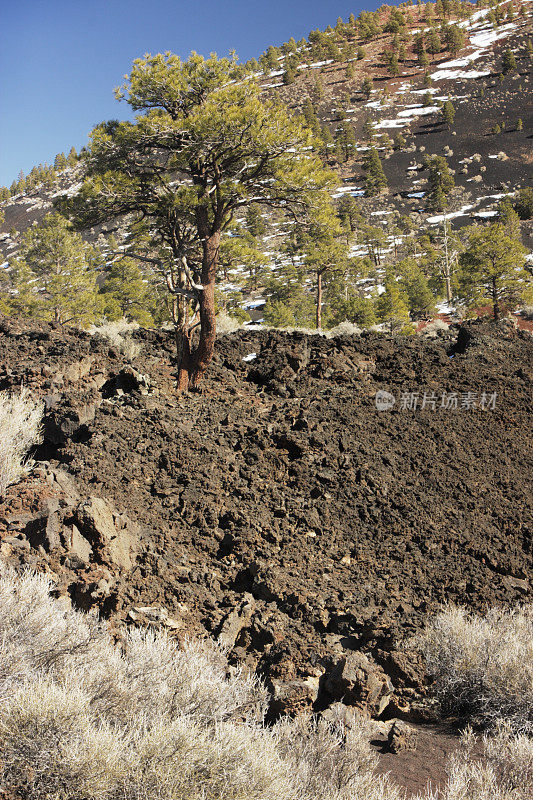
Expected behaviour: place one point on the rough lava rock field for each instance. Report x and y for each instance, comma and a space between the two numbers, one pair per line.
278, 510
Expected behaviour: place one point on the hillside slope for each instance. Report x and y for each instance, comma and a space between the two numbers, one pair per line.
486, 165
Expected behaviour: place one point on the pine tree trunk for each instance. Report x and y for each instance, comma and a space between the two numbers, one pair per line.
319, 301
204, 352
183, 347
495, 302
448, 288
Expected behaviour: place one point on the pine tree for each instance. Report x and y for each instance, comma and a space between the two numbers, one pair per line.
310, 116
375, 179
414, 283
255, 224
60, 162
492, 268
318, 89
328, 145
126, 293
434, 44
289, 76
441, 182
279, 314
524, 203
399, 141
454, 38
368, 129
392, 307
350, 70
64, 277
72, 158
448, 113
423, 60
324, 251
234, 147
508, 62
361, 53
367, 87
418, 45
349, 213
508, 218
519, 124
394, 68
346, 138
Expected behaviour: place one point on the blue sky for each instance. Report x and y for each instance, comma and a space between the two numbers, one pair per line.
60, 60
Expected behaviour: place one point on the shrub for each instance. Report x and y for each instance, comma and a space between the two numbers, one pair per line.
503, 771
81, 718
20, 429
118, 334
433, 328
344, 328
482, 668
226, 323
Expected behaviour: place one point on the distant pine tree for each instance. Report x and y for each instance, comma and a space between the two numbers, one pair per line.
63, 282
60, 161
392, 307
289, 76
367, 87
394, 68
448, 113
368, 129
508, 62
375, 179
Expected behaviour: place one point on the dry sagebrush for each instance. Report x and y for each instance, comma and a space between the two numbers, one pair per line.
82, 719
502, 770
482, 667
118, 334
20, 429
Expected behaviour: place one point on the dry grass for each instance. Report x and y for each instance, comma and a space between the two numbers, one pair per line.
20, 429
482, 667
